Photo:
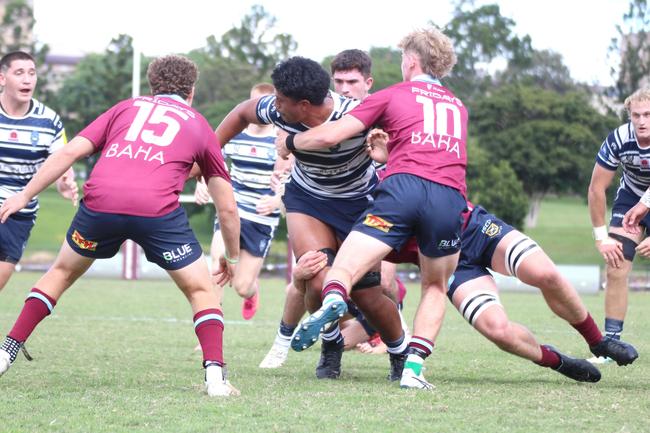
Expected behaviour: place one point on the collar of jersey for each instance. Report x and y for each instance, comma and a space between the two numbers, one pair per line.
427, 79
173, 96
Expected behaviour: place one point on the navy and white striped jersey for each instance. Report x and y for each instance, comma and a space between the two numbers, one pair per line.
252, 159
343, 171
620, 148
25, 143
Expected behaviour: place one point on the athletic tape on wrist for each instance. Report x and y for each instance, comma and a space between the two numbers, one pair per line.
600, 233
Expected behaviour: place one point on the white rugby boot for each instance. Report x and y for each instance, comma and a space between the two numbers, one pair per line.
276, 357
411, 380
216, 384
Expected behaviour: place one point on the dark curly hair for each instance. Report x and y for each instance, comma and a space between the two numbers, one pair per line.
349, 60
172, 75
300, 78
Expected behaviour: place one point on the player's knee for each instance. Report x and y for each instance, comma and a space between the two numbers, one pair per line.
617, 274
497, 329
243, 287
548, 279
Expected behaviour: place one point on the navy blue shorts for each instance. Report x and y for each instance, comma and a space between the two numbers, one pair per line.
13, 237
254, 237
340, 214
480, 238
167, 241
406, 206
624, 201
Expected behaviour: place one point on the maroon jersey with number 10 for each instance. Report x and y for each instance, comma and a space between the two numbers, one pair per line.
427, 126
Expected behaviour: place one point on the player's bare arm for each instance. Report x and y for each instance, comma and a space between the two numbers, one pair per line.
224, 200
67, 186
610, 249
237, 120
329, 134
53, 168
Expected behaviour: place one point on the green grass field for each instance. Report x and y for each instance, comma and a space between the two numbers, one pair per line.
118, 356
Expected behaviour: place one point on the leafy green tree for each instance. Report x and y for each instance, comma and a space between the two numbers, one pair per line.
546, 70
250, 43
549, 139
242, 57
386, 69
494, 185
480, 36
16, 33
633, 46
98, 82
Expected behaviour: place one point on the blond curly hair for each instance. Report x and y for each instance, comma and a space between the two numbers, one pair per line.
641, 95
433, 48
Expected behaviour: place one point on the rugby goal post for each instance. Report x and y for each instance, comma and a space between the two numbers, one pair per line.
131, 250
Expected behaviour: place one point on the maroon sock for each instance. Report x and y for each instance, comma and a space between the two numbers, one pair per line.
334, 286
549, 358
38, 306
420, 346
589, 330
208, 325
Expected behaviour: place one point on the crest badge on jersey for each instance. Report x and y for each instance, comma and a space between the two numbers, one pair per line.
34, 138
645, 163
378, 223
491, 229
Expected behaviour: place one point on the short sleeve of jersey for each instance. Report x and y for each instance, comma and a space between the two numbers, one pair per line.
371, 109
96, 131
266, 112
211, 160
608, 156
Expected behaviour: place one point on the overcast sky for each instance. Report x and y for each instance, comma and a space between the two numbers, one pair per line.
580, 30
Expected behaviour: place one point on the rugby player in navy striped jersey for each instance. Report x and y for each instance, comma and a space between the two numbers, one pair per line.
327, 191
29, 133
351, 76
252, 157
628, 147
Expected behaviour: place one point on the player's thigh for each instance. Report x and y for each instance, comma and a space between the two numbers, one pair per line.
6, 269
517, 251
308, 233
67, 268
247, 269
436, 271
359, 254
192, 278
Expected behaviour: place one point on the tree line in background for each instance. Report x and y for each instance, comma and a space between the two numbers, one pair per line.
534, 130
